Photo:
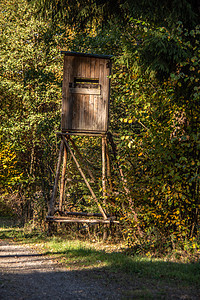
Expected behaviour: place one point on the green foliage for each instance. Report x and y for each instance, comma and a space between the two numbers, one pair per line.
160, 140
80, 13
8, 173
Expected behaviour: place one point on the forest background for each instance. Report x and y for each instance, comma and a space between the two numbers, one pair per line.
154, 111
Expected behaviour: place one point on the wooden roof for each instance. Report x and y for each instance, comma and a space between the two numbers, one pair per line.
72, 53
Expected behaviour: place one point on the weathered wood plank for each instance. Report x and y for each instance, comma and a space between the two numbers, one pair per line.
87, 67
77, 220
82, 133
78, 70
75, 116
80, 107
107, 92
95, 107
65, 94
85, 91
86, 214
104, 81
86, 113
96, 71
66, 97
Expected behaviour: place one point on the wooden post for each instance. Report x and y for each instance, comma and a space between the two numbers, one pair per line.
85, 179
104, 168
54, 193
62, 186
108, 166
105, 232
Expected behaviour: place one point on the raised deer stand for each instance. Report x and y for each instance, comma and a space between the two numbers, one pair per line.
85, 107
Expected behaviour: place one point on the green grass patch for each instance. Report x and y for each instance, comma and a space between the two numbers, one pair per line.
20, 234
85, 255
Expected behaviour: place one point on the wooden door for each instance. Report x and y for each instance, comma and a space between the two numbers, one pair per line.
85, 98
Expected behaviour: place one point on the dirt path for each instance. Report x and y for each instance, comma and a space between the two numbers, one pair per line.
25, 274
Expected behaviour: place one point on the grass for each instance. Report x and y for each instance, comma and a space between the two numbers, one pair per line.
154, 278
86, 256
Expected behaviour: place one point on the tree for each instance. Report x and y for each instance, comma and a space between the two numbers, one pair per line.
30, 98
161, 13
158, 52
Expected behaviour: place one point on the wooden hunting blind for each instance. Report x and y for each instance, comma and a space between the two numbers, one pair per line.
85, 111
85, 92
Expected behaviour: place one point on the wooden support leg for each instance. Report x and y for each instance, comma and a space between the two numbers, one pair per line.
108, 167
105, 233
104, 168
62, 187
104, 181
54, 193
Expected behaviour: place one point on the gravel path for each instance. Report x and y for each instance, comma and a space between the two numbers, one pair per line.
26, 274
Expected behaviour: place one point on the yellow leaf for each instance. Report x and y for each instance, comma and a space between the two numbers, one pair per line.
194, 246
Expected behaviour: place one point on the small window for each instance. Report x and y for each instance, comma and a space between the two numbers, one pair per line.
85, 86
